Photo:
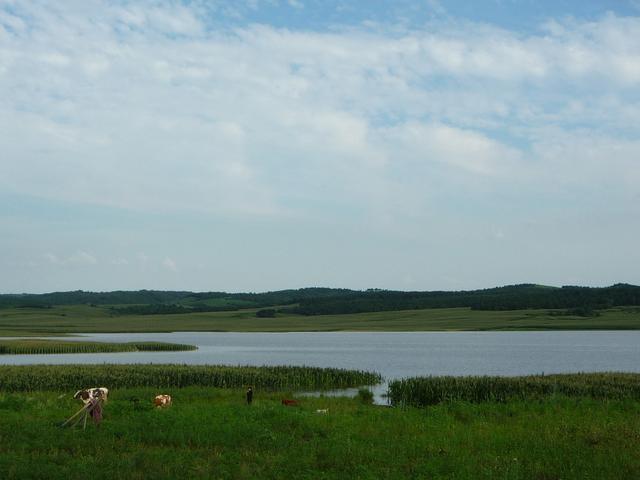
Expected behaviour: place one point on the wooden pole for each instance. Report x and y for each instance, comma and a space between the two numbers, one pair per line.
87, 409
75, 415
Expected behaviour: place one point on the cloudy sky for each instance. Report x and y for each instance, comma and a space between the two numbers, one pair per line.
266, 144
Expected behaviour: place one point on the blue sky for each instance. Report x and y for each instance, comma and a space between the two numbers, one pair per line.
260, 145
521, 15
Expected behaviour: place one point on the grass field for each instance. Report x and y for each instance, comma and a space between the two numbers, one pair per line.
211, 433
87, 319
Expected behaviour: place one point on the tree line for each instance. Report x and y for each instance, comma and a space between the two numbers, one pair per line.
158, 301
515, 297
328, 301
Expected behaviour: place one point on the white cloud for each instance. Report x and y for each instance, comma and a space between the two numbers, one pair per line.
295, 4
590, 161
11, 22
403, 144
142, 107
467, 150
51, 258
169, 264
82, 258
79, 258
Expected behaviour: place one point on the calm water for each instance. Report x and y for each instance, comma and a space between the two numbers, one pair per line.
394, 354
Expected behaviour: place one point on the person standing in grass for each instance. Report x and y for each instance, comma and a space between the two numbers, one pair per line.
96, 410
249, 395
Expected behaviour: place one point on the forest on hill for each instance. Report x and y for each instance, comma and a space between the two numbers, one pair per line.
581, 300
159, 301
328, 301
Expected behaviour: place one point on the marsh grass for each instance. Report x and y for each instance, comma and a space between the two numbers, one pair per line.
54, 377
37, 346
421, 391
365, 396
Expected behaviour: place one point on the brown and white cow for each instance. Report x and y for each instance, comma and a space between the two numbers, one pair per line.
88, 394
162, 401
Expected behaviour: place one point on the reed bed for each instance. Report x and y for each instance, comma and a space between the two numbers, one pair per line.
69, 377
30, 347
422, 391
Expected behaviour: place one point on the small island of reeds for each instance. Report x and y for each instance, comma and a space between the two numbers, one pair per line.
37, 346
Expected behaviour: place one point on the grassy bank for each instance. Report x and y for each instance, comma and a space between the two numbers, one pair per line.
422, 391
30, 346
93, 319
210, 433
27, 378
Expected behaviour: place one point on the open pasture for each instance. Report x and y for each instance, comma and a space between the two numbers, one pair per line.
61, 320
212, 433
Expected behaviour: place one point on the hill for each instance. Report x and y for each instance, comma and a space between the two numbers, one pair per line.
578, 300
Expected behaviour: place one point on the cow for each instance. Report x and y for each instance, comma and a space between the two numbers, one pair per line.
162, 401
94, 393
289, 403
322, 411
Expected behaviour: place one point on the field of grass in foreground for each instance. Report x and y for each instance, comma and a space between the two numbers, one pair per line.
211, 433
71, 319
31, 346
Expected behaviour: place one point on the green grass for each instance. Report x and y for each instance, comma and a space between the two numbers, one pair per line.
218, 302
50, 377
421, 391
86, 319
36, 346
210, 433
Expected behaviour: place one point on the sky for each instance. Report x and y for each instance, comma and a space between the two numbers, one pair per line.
260, 145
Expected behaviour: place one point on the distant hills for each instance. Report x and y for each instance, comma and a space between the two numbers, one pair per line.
326, 301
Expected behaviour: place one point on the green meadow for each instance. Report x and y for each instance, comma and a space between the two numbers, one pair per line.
60, 320
587, 429
211, 433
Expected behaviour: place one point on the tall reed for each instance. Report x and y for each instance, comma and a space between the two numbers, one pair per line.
421, 391
27, 347
68, 377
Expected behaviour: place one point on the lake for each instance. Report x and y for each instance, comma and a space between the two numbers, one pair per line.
393, 354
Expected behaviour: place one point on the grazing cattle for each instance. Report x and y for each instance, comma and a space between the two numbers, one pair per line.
95, 393
162, 401
322, 411
289, 403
